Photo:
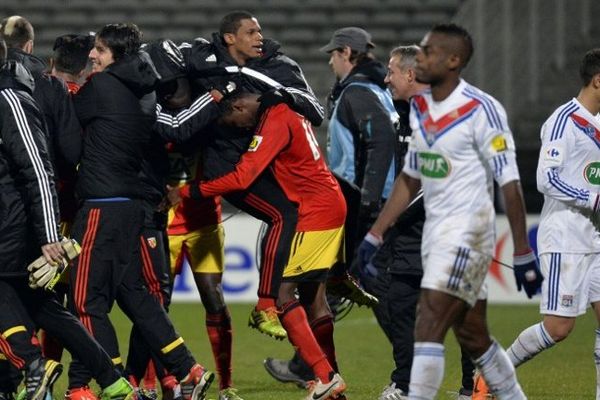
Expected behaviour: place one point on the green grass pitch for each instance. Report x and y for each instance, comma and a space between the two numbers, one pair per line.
565, 372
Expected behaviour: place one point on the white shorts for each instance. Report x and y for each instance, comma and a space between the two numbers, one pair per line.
572, 282
458, 271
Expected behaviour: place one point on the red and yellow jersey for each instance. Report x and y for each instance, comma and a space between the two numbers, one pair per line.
190, 214
285, 142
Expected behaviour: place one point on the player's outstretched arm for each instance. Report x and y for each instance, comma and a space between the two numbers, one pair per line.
405, 189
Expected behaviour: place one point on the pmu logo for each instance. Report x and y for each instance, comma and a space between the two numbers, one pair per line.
591, 173
434, 165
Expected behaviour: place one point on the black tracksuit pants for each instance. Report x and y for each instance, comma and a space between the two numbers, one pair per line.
108, 269
25, 310
155, 269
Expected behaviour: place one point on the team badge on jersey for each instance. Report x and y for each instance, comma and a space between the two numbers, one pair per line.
499, 144
151, 242
592, 173
434, 165
256, 141
567, 300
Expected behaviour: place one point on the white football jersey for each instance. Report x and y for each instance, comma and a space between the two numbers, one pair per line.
568, 175
458, 146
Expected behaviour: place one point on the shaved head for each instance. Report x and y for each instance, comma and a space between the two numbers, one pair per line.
456, 41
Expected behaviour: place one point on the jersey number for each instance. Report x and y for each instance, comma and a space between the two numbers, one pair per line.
312, 141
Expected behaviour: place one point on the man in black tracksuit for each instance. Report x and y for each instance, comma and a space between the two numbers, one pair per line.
27, 195
52, 96
117, 108
239, 53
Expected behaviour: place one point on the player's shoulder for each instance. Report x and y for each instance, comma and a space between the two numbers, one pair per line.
481, 96
558, 120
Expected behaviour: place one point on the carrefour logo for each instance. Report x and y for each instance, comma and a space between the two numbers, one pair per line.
434, 165
592, 173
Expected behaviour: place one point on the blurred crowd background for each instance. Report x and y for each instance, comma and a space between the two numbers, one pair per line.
526, 51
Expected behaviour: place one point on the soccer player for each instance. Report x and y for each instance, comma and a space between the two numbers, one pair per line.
397, 264
460, 143
194, 226
568, 234
28, 195
284, 142
117, 107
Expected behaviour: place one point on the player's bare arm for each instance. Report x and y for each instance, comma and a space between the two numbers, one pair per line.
405, 189
515, 212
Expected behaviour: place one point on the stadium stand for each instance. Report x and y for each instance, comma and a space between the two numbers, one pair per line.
525, 51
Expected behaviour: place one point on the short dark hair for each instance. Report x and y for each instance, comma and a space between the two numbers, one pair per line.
226, 104
16, 31
71, 53
231, 22
2, 51
458, 32
590, 66
122, 39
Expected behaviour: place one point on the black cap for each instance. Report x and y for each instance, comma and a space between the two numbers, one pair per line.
356, 38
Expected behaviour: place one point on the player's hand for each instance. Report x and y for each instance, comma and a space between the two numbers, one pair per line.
45, 271
527, 273
273, 97
219, 91
53, 252
365, 252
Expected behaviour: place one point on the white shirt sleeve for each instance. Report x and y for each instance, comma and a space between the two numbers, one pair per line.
552, 179
495, 142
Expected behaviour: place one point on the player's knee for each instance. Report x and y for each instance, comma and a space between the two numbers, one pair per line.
472, 341
559, 331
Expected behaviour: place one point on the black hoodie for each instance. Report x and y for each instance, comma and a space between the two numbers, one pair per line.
117, 109
26, 177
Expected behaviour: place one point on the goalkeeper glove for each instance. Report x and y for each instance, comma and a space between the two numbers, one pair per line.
43, 274
527, 273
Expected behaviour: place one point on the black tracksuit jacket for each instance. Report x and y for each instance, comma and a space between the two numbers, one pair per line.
27, 192
117, 108
210, 65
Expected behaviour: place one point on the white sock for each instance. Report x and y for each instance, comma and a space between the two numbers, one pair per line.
427, 371
529, 343
499, 373
597, 361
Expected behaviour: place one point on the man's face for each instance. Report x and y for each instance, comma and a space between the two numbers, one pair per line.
247, 42
338, 63
432, 59
397, 80
100, 56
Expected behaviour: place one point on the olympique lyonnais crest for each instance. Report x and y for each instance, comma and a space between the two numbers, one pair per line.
567, 300
151, 242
